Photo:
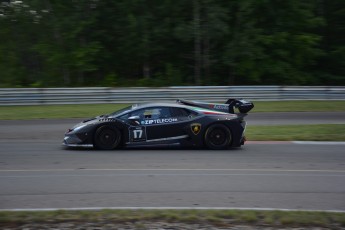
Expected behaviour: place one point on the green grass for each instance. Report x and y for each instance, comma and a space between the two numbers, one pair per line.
333, 132
84, 111
140, 218
299, 106
56, 111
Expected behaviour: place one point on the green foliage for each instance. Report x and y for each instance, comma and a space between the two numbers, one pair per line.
111, 80
141, 219
161, 43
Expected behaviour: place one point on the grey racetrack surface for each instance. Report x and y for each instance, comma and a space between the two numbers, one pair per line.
36, 172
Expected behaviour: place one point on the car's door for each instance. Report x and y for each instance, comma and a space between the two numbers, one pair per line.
160, 123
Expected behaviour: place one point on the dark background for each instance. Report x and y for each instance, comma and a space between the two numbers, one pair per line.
55, 43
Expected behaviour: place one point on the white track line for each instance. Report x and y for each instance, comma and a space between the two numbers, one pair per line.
167, 170
167, 208
295, 142
319, 142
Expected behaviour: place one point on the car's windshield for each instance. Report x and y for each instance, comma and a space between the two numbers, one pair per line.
128, 108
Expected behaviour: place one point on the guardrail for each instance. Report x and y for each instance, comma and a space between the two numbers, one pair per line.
98, 95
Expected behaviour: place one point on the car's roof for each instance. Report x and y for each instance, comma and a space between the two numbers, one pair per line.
178, 105
158, 104
197, 109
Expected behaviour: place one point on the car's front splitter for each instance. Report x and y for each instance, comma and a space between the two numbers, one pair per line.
74, 141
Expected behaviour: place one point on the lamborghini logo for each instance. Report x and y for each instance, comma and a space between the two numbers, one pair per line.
196, 127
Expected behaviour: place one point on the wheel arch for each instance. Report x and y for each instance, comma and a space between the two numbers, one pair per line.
120, 128
204, 136
229, 126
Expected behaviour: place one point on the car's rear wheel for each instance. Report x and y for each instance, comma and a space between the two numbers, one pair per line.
218, 136
107, 138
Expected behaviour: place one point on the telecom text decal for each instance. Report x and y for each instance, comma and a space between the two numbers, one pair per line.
158, 121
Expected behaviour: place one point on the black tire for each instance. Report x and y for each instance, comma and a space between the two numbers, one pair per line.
218, 136
107, 138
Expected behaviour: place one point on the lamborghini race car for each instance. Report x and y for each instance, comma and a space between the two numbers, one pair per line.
183, 123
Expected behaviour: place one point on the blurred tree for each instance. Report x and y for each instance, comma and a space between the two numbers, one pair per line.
68, 45
331, 67
19, 64
171, 42
202, 33
271, 42
242, 49
289, 41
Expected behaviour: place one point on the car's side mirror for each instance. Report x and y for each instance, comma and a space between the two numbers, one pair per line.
134, 120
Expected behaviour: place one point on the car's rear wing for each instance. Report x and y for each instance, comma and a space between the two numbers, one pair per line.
243, 106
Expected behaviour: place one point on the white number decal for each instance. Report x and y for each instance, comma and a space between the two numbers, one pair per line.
138, 133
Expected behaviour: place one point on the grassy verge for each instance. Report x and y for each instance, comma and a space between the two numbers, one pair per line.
299, 106
223, 218
296, 132
83, 111
56, 111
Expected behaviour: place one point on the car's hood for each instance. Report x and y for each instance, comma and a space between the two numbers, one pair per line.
94, 118
89, 121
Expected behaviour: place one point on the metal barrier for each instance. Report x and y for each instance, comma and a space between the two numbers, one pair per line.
98, 95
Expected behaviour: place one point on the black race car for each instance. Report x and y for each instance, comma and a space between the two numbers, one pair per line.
184, 123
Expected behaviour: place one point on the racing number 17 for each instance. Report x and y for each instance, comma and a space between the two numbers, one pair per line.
137, 134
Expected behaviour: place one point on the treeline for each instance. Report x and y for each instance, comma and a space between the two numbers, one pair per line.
45, 43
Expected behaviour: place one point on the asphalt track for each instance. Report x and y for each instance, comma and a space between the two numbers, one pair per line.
36, 172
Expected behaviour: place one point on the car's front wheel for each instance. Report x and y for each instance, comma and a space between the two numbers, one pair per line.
218, 136
107, 138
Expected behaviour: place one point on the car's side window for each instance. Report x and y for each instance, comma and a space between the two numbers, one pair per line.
152, 113
124, 117
138, 113
183, 114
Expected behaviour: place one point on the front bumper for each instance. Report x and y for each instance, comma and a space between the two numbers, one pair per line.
74, 141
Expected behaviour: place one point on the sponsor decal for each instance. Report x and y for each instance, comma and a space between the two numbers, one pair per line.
196, 127
158, 121
222, 107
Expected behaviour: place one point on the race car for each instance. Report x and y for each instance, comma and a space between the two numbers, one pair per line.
181, 123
